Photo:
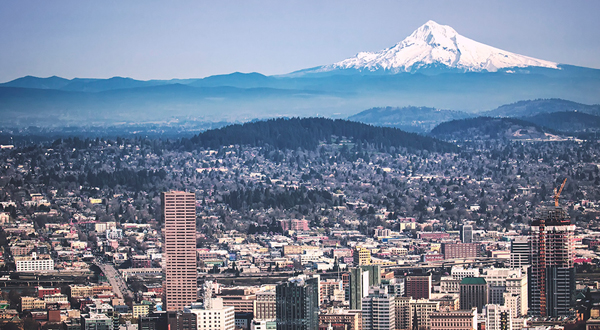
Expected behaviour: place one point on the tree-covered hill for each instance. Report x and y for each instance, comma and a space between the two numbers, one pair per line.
308, 133
489, 128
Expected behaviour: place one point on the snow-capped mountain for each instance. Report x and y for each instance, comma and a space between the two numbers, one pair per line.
436, 46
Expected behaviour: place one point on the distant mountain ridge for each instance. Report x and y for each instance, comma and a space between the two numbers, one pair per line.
534, 107
53, 82
555, 114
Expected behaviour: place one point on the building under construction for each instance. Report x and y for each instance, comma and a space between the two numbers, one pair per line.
552, 275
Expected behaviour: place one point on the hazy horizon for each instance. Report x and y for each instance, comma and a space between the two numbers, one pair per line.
155, 40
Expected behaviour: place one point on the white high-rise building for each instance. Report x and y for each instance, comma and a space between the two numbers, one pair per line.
503, 280
378, 310
520, 248
513, 302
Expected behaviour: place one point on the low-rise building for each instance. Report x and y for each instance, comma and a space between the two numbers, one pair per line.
139, 310
96, 321
34, 264
213, 315
58, 297
342, 318
454, 320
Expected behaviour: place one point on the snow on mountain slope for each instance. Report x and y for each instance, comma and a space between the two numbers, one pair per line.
435, 45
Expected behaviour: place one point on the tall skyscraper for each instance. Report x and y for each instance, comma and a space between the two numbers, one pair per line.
552, 279
297, 304
179, 214
466, 234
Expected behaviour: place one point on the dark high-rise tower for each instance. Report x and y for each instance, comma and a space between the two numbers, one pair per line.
374, 274
179, 214
473, 293
552, 275
297, 304
358, 287
466, 234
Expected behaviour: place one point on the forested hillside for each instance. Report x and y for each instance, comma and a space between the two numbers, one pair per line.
308, 133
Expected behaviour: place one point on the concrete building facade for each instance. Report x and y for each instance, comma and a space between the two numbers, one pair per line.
264, 306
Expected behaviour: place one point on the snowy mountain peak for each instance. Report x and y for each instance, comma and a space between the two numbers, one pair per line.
436, 46
431, 32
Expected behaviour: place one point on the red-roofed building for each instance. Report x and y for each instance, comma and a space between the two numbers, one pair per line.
46, 291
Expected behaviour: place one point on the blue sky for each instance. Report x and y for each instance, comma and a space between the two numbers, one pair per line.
193, 39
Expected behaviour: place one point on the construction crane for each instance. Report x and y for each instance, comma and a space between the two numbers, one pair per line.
557, 194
